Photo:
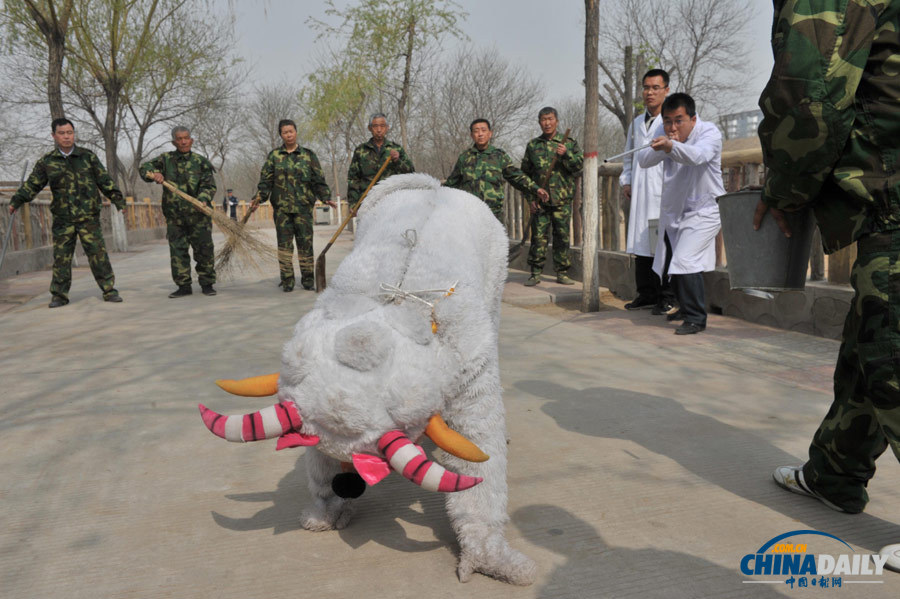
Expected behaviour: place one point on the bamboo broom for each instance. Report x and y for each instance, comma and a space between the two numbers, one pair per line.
320, 261
241, 241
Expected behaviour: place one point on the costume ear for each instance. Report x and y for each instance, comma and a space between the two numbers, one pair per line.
363, 345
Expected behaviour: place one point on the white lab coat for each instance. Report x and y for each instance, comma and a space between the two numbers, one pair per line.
688, 210
646, 187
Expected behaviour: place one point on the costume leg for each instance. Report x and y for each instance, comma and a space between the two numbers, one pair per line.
179, 256
478, 515
63, 249
200, 237
328, 511
285, 238
540, 230
91, 235
691, 297
864, 418
303, 234
562, 215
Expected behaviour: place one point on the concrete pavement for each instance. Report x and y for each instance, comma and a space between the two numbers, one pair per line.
640, 462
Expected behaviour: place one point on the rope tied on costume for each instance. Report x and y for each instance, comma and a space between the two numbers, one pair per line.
393, 293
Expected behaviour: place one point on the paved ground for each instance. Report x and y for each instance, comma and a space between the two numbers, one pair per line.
639, 461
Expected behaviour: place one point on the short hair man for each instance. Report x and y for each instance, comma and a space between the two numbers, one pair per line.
643, 187
76, 178
556, 211
842, 162
292, 179
187, 228
369, 156
232, 203
481, 169
690, 151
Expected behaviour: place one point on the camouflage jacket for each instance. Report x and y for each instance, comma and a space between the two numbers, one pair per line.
366, 161
188, 171
75, 182
293, 181
481, 173
832, 115
539, 154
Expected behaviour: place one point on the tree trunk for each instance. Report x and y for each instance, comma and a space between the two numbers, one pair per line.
110, 137
590, 293
56, 51
404, 90
628, 102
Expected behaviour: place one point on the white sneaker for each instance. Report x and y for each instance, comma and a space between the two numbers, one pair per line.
892, 553
791, 478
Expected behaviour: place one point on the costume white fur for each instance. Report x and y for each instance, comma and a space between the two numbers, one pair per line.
378, 354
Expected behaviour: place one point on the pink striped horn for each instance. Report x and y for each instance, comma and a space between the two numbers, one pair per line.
281, 420
409, 459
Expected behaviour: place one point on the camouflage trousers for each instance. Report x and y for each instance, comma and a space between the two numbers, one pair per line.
191, 234
289, 228
91, 235
547, 218
864, 418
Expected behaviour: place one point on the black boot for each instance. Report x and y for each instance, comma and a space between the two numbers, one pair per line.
182, 291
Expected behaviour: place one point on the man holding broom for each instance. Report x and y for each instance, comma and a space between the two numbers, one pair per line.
292, 179
186, 226
369, 156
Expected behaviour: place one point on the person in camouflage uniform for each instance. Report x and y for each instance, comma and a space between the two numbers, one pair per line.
75, 176
187, 228
556, 212
292, 179
481, 169
368, 158
830, 141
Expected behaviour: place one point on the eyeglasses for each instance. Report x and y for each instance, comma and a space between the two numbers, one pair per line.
653, 88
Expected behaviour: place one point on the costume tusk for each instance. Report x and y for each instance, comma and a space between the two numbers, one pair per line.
409, 460
255, 386
281, 420
452, 442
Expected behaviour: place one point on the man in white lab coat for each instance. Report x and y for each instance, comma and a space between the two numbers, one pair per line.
643, 186
690, 151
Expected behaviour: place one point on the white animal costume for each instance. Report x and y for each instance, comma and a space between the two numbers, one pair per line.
407, 329
646, 186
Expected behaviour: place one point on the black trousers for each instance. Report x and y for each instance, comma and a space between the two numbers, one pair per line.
648, 283
689, 291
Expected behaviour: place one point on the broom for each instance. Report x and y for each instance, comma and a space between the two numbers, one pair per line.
231, 249
240, 240
320, 261
517, 249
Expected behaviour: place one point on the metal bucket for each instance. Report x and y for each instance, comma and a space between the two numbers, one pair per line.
764, 259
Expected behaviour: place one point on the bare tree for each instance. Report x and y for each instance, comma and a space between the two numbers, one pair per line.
701, 43
473, 83
270, 103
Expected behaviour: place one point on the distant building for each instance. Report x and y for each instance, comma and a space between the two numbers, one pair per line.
740, 124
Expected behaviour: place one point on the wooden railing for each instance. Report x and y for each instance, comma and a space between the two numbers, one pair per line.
740, 168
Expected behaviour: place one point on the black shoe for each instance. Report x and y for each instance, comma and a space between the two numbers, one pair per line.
640, 303
678, 315
690, 328
309, 286
287, 289
182, 291
113, 297
207, 290
663, 307
58, 302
